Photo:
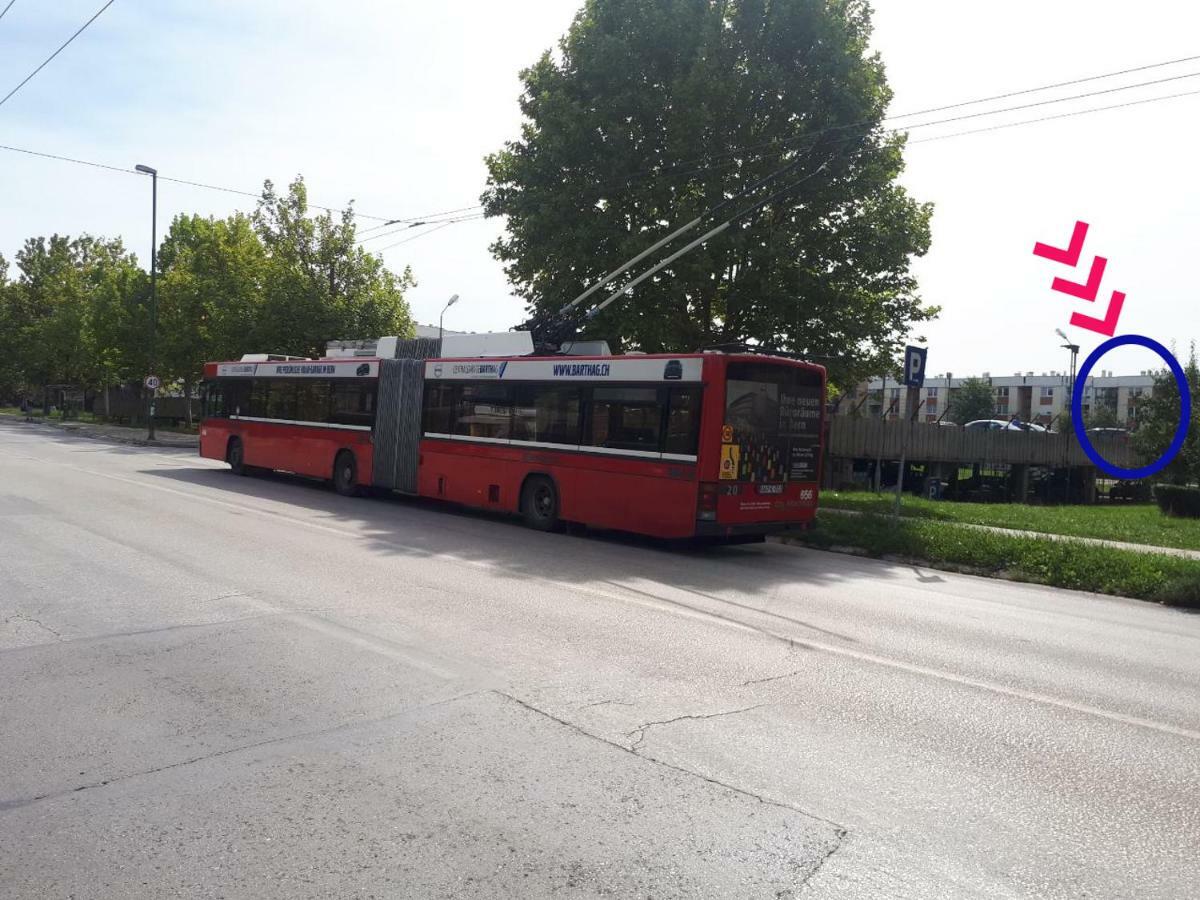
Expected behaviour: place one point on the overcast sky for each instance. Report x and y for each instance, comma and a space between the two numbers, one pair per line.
394, 104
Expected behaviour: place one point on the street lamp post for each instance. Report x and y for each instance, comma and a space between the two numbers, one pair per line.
153, 173
449, 303
1074, 348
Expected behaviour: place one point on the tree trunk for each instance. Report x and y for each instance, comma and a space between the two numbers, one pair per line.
187, 401
107, 408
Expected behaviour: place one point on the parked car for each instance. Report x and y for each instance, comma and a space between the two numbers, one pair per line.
1103, 431
1003, 425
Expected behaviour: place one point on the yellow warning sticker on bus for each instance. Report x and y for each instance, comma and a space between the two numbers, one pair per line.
730, 455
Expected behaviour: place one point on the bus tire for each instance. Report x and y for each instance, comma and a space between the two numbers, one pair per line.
539, 503
345, 474
235, 455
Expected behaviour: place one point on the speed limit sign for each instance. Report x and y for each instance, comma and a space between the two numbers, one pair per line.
152, 382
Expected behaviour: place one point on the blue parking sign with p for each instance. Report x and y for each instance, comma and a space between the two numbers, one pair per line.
914, 366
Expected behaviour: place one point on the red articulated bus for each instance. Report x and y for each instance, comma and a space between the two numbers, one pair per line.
714, 445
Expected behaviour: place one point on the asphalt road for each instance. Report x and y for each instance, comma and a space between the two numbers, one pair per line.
214, 686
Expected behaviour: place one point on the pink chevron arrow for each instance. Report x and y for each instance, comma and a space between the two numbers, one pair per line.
1086, 291
1106, 326
1070, 256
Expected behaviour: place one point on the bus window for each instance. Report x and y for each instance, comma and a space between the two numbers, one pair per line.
352, 403
312, 401
484, 411
214, 400
683, 420
625, 418
439, 401
548, 414
281, 400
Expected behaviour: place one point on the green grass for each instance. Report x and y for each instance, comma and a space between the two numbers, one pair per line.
1058, 563
1140, 523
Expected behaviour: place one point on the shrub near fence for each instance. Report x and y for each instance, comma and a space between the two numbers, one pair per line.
1175, 500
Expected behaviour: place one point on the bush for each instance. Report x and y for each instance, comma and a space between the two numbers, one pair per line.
1175, 500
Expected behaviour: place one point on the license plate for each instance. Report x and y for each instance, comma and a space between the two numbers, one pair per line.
770, 488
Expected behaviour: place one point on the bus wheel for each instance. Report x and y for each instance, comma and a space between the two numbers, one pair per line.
539, 503
345, 474
236, 457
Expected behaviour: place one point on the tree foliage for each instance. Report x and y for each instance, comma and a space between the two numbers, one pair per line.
654, 111
76, 311
1158, 420
973, 400
317, 283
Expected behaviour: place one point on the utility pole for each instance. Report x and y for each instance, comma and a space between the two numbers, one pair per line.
153, 173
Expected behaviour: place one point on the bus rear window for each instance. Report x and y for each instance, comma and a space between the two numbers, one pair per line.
773, 420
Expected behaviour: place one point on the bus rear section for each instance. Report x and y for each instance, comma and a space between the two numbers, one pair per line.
760, 469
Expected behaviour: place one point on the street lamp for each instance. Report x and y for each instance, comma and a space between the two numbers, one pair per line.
153, 173
449, 303
1074, 348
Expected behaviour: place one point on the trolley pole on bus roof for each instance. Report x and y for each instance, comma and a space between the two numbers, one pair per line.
153, 173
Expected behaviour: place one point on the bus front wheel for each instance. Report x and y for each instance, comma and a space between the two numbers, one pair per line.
235, 455
345, 474
539, 503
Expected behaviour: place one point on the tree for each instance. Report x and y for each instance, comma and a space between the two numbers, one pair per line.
318, 285
210, 294
973, 400
654, 111
1158, 420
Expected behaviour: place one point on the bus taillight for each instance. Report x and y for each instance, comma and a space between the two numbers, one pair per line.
707, 511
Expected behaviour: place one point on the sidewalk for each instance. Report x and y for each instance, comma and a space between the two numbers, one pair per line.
119, 434
1014, 532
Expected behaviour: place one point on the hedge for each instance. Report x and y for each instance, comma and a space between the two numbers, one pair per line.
1175, 500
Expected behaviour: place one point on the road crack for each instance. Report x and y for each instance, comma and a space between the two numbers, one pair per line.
771, 678
641, 730
38, 622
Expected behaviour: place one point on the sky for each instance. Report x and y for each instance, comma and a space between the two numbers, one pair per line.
394, 104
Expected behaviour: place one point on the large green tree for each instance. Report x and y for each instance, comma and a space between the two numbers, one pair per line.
49, 311
318, 284
1158, 420
210, 295
653, 111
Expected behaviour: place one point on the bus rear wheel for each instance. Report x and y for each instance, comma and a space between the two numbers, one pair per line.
539, 503
345, 474
235, 455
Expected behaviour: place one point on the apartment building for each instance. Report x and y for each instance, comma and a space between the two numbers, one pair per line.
1028, 396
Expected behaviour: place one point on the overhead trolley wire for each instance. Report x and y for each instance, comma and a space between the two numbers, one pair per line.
780, 150
63, 47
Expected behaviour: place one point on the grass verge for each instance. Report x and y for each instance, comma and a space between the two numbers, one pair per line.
1140, 523
1170, 580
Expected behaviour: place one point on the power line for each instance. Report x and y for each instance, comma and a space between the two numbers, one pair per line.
810, 138
1045, 87
1067, 115
416, 222
439, 227
46, 61
211, 187
7, 8
740, 151
422, 220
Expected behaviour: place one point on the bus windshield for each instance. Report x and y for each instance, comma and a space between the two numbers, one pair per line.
773, 421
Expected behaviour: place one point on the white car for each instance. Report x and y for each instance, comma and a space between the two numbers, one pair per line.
1002, 425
